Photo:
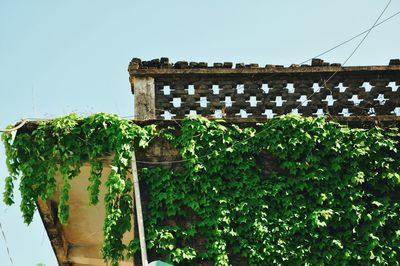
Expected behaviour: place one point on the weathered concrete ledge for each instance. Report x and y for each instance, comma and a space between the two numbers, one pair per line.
162, 67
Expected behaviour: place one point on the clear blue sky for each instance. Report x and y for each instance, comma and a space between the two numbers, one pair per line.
58, 57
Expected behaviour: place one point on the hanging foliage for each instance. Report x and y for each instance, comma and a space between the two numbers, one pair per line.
291, 190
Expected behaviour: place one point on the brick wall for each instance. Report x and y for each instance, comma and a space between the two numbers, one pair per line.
250, 91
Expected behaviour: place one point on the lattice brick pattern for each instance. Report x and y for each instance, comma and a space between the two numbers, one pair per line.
250, 98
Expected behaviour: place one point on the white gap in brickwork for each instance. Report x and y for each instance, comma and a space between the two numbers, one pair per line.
240, 88
192, 112
295, 112
190, 90
316, 88
203, 102
253, 101
371, 111
367, 86
278, 101
269, 113
341, 87
228, 101
303, 100
218, 113
381, 99
176, 102
168, 115
290, 87
355, 100
215, 89
393, 85
243, 114
345, 112
166, 90
319, 112
330, 100
265, 88
396, 111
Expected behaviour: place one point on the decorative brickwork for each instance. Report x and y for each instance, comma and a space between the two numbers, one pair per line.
249, 91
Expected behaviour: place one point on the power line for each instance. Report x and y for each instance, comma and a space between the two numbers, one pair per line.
352, 38
5, 242
351, 54
366, 35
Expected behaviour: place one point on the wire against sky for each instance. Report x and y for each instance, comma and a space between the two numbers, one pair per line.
351, 54
366, 35
6, 244
352, 38
359, 44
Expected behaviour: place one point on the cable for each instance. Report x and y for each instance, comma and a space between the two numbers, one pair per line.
352, 38
351, 54
366, 35
5, 241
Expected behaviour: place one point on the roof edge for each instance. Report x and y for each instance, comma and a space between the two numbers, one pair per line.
162, 66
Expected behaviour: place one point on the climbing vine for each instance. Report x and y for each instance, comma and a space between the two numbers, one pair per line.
291, 190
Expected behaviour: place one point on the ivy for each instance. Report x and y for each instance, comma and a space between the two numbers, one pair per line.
291, 190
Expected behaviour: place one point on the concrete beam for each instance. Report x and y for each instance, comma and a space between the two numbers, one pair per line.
350, 70
54, 230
